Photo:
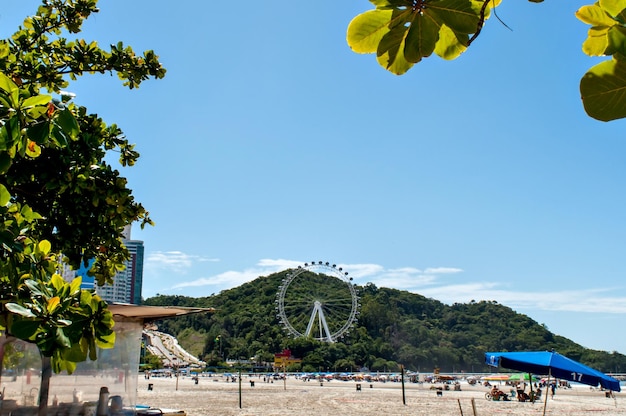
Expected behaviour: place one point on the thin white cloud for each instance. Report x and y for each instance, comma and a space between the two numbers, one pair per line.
359, 271
173, 261
583, 300
231, 279
227, 279
442, 270
278, 264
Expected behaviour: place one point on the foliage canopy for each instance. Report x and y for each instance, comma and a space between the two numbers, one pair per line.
403, 32
59, 199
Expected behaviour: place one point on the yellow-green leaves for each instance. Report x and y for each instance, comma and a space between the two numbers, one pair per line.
367, 29
403, 32
53, 303
5, 196
614, 7
603, 87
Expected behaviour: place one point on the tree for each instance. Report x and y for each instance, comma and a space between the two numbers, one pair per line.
403, 32
60, 201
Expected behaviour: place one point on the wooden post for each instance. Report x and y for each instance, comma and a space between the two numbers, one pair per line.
240, 387
403, 394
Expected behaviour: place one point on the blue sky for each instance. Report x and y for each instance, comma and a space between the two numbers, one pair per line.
270, 144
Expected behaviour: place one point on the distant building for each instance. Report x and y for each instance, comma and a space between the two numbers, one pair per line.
284, 359
127, 284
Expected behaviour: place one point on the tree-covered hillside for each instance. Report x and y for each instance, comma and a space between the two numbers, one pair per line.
394, 327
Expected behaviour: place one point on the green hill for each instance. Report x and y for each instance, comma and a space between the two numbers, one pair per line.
394, 327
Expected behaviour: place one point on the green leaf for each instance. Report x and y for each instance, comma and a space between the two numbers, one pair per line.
44, 247
66, 120
366, 30
603, 90
76, 353
449, 45
459, 15
57, 281
59, 135
421, 40
20, 310
617, 40
75, 285
5, 196
93, 351
391, 49
106, 341
11, 88
39, 132
36, 100
25, 329
62, 339
5, 164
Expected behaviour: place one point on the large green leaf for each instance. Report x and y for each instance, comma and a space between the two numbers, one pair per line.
421, 40
459, 15
20, 310
451, 44
39, 132
366, 30
36, 100
68, 123
76, 353
603, 90
390, 52
25, 329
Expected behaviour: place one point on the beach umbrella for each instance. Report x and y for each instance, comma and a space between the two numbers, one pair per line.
496, 377
554, 365
522, 376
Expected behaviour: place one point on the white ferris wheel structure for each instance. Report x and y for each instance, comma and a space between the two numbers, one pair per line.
317, 300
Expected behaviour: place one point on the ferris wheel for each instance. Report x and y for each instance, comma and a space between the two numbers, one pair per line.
317, 300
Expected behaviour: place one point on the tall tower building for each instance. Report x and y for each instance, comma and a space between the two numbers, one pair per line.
126, 287
127, 284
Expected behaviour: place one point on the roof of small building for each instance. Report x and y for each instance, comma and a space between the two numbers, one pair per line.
153, 313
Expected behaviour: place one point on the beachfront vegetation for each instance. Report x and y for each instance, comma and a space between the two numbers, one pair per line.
60, 200
403, 32
395, 327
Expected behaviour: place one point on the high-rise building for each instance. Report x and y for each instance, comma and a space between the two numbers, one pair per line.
126, 286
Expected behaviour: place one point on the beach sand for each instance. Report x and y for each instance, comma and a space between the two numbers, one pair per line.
216, 396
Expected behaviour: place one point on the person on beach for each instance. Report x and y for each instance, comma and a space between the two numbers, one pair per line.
496, 394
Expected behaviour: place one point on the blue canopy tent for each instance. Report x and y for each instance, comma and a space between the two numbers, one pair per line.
554, 365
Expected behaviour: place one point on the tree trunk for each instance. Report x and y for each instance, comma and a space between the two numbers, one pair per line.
46, 373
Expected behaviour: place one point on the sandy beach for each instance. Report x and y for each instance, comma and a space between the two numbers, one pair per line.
216, 396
